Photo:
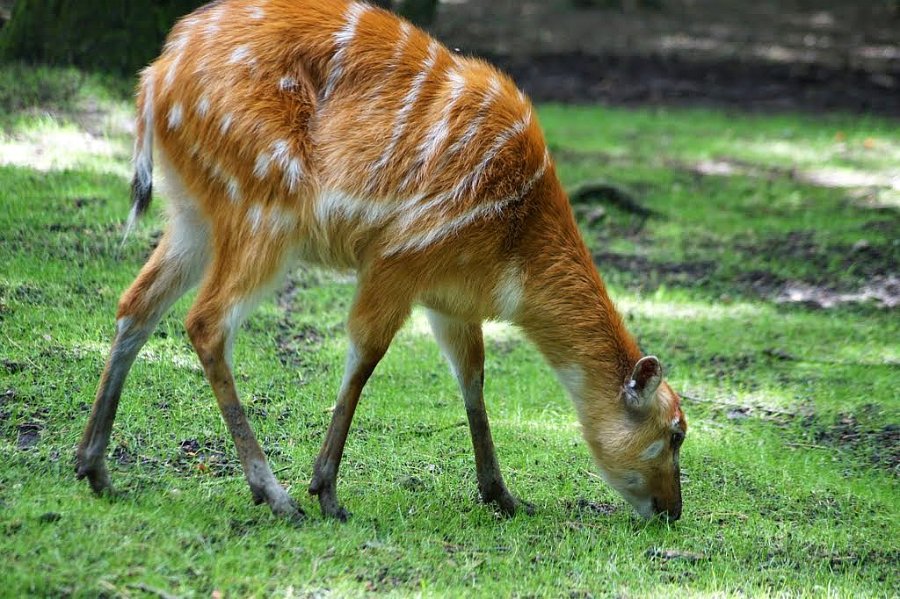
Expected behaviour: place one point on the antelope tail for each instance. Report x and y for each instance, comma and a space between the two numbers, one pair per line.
142, 183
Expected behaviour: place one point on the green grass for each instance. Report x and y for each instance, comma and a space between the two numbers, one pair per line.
790, 465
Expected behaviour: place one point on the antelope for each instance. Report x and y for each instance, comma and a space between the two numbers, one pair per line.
337, 134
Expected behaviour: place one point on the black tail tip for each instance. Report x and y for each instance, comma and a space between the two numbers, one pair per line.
141, 194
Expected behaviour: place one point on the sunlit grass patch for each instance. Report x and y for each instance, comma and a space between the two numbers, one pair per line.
790, 465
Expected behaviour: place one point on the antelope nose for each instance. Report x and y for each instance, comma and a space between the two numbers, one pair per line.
671, 512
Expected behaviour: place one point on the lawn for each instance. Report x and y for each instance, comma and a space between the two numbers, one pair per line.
767, 282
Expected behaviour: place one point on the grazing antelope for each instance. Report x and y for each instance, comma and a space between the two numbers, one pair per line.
336, 133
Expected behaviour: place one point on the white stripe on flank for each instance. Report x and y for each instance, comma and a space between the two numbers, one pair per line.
215, 16
175, 115
402, 41
490, 95
409, 102
172, 73
190, 22
336, 204
440, 131
175, 45
504, 138
446, 228
452, 225
342, 39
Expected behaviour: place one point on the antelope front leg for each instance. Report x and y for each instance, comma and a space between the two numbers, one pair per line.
324, 480
463, 345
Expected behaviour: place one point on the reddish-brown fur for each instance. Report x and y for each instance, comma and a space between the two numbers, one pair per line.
337, 133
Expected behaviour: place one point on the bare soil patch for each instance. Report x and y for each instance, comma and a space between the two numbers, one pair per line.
875, 277
880, 444
765, 55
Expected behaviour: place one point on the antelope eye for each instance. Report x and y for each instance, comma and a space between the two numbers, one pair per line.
677, 439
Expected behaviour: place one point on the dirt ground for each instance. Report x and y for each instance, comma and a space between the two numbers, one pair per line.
763, 55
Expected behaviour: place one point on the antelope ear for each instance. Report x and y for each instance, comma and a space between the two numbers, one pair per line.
640, 389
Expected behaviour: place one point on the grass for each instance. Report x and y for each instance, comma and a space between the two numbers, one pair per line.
790, 466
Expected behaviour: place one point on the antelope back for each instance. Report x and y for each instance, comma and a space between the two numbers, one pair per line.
336, 125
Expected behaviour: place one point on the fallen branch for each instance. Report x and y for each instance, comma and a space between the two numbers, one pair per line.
602, 191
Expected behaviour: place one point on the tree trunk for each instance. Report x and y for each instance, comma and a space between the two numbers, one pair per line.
111, 35
420, 12
117, 35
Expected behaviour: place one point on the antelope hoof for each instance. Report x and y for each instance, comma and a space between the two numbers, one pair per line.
332, 509
285, 507
96, 475
279, 501
507, 504
328, 501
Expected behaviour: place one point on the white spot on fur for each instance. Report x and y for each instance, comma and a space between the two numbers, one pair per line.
176, 113
240, 54
257, 13
225, 123
287, 83
653, 450
261, 168
293, 173
254, 217
234, 189
203, 106
290, 165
